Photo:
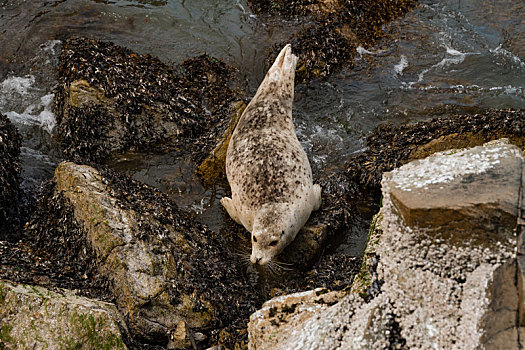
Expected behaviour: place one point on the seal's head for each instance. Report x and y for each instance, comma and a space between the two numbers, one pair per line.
274, 228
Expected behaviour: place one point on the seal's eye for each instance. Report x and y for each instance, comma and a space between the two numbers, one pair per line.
254, 239
273, 243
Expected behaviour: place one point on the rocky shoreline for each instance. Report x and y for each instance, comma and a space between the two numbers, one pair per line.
331, 30
113, 263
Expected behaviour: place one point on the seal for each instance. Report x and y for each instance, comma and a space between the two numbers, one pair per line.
268, 171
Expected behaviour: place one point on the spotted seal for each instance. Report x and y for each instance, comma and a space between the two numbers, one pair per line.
269, 173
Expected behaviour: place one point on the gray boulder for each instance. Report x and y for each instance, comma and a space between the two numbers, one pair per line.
447, 262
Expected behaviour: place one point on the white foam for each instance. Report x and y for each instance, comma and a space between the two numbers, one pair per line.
49, 49
471, 89
500, 51
39, 113
17, 85
361, 51
26, 104
239, 5
403, 63
452, 57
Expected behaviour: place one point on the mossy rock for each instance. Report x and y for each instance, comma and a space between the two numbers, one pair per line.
363, 280
33, 317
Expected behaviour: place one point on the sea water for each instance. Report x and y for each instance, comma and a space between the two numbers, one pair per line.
463, 53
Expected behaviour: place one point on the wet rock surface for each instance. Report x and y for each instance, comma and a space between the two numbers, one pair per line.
332, 30
33, 317
110, 100
10, 142
434, 289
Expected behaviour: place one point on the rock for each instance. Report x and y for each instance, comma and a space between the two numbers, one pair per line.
391, 146
280, 315
33, 317
110, 100
307, 246
214, 166
482, 180
434, 289
10, 142
170, 276
362, 283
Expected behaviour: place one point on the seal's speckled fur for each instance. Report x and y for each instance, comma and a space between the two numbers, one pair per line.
269, 174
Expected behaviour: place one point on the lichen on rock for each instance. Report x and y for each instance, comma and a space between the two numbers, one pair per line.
33, 317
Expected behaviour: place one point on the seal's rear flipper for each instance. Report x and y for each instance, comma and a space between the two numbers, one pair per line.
317, 196
230, 208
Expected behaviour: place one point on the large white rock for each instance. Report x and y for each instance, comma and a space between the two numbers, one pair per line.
447, 262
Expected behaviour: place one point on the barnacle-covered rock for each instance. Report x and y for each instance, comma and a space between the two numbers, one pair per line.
10, 141
110, 100
332, 29
165, 270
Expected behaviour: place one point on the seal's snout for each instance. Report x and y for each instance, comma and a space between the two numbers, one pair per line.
258, 259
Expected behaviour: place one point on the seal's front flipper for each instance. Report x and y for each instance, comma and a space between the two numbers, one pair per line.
317, 196
227, 203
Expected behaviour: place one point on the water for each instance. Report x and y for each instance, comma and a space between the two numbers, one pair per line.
444, 53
